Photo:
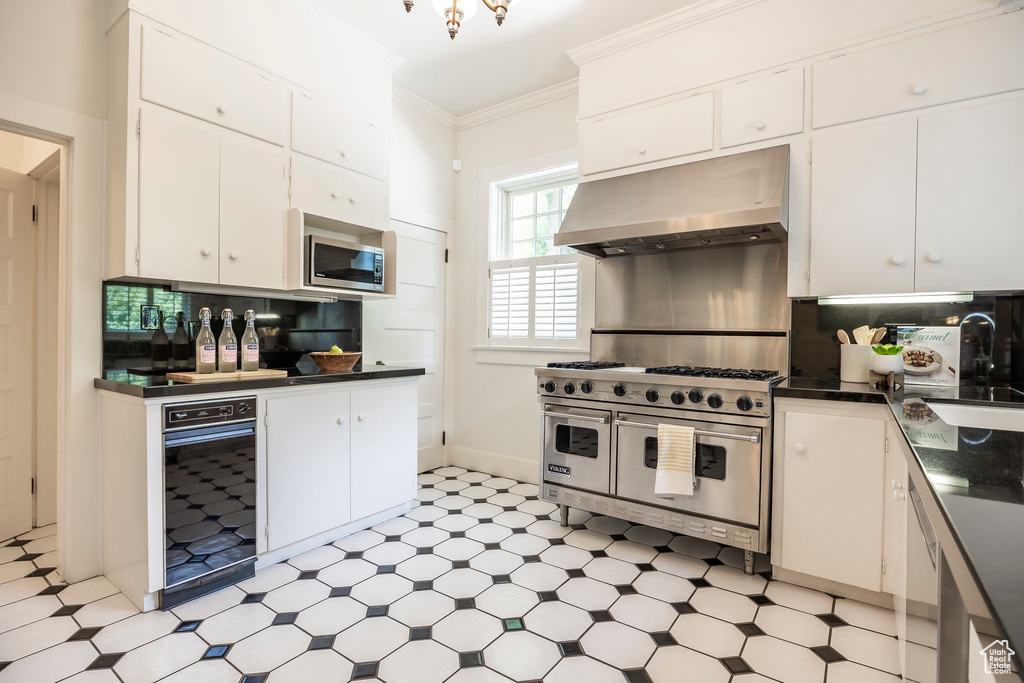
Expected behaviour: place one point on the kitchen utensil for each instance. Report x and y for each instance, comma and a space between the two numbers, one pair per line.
879, 332
335, 362
843, 337
861, 335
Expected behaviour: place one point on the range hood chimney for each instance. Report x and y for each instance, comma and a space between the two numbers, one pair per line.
732, 200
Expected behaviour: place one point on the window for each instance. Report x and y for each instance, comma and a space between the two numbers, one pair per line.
534, 297
122, 307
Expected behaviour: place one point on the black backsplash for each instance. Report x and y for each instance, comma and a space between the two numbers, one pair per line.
280, 323
991, 351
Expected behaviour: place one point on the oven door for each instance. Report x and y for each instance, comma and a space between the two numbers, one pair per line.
577, 447
728, 467
333, 263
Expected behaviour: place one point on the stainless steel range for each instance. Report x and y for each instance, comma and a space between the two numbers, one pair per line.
600, 446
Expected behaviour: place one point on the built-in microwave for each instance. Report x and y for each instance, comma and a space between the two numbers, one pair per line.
335, 263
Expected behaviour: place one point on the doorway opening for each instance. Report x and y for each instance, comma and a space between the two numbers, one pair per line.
30, 200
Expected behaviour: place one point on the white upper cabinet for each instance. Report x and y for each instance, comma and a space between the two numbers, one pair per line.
863, 210
253, 211
325, 133
184, 75
763, 108
970, 198
338, 194
179, 199
972, 60
664, 131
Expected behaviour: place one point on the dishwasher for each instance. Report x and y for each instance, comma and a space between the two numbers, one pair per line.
209, 452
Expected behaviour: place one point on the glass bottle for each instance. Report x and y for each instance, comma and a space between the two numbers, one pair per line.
206, 345
180, 349
227, 345
250, 344
160, 345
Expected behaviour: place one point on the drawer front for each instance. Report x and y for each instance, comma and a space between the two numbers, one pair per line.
661, 132
763, 108
197, 80
318, 190
325, 133
981, 58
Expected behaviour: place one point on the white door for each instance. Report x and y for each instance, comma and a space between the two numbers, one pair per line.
409, 329
253, 206
383, 448
308, 448
970, 207
863, 205
179, 196
17, 347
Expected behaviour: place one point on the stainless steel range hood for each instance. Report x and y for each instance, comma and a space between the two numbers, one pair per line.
733, 200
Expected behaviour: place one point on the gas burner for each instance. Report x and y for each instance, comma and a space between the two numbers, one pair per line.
585, 365
718, 373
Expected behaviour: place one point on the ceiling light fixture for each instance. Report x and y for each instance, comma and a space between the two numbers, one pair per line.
457, 11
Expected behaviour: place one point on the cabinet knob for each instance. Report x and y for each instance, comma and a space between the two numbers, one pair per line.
341, 420
359, 418
934, 258
918, 89
342, 153
759, 125
799, 448
207, 251
897, 260
334, 194
221, 109
642, 150
896, 486
234, 255
351, 200
898, 495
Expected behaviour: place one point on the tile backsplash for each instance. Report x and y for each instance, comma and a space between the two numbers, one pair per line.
281, 324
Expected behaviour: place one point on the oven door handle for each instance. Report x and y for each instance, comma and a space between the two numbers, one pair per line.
754, 437
567, 416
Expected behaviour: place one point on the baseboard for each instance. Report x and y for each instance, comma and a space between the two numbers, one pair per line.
841, 590
496, 463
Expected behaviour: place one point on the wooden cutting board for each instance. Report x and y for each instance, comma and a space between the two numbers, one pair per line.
197, 378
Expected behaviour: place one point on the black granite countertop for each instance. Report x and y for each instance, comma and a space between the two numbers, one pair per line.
976, 475
150, 386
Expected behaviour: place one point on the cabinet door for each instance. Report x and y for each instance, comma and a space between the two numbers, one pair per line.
253, 207
970, 204
325, 133
318, 190
863, 188
383, 448
179, 196
307, 466
763, 108
664, 131
832, 492
365, 201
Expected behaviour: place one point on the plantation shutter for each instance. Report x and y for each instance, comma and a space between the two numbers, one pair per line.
535, 302
556, 299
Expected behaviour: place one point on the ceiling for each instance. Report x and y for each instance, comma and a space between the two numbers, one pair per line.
487, 64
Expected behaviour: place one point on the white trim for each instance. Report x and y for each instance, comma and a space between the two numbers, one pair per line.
428, 109
532, 356
694, 14
514, 106
496, 464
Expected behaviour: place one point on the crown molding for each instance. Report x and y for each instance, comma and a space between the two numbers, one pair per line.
428, 109
534, 99
697, 13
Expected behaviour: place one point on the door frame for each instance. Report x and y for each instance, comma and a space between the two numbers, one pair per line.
77, 316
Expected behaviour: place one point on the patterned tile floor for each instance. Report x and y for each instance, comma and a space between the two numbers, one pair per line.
477, 584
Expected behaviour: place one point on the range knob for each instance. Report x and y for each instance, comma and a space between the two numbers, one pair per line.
696, 396
620, 390
745, 403
678, 397
587, 387
569, 388
549, 387
653, 395
715, 401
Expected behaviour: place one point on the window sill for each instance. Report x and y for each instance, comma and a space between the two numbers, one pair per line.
527, 355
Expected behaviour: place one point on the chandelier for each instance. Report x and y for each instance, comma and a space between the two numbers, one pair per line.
457, 11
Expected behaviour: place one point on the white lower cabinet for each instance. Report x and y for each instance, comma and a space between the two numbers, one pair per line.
832, 507
383, 448
308, 466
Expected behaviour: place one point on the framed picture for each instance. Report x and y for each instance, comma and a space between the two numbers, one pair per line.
149, 317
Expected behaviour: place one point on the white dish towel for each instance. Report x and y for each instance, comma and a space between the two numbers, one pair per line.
675, 475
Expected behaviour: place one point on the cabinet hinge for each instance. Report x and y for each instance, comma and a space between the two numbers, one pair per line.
136, 254
446, 256
807, 275
810, 157
35, 215
266, 532
443, 438
33, 485
887, 445
883, 566
266, 419
138, 126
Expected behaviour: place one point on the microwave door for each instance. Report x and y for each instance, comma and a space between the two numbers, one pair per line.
337, 266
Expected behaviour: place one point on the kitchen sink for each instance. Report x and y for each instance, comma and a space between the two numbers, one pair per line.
980, 417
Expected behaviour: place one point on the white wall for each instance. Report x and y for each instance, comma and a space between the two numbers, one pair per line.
495, 425
422, 180
21, 154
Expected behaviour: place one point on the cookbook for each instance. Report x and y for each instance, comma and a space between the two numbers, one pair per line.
931, 355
